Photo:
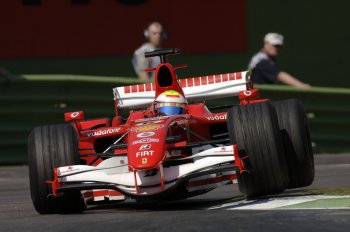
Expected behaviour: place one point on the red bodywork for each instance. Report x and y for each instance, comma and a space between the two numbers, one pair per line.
146, 134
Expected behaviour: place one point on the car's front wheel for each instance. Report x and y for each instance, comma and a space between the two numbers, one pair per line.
50, 147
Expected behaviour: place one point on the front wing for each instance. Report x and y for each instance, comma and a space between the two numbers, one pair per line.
208, 168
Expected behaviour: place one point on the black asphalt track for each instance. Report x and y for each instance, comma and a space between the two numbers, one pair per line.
18, 214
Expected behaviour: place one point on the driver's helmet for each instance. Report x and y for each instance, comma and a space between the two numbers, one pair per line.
169, 103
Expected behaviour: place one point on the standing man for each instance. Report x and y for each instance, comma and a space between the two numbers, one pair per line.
154, 35
263, 64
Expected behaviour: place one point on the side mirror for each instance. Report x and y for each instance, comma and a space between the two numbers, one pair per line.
74, 116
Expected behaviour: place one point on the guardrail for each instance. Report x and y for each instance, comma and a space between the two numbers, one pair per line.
35, 100
328, 111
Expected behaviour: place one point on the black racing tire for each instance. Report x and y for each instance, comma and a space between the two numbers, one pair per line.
254, 128
295, 132
50, 147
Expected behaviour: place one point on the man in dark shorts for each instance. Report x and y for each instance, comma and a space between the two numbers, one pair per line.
263, 64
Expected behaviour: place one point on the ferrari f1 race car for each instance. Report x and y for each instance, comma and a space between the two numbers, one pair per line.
168, 149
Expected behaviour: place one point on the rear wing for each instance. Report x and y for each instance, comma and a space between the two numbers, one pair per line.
195, 89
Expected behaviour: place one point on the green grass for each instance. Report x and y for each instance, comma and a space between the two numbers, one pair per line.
330, 191
321, 191
322, 203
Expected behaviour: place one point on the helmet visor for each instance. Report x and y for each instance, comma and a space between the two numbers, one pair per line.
171, 110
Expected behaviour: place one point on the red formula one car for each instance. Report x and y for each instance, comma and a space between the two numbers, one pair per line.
171, 149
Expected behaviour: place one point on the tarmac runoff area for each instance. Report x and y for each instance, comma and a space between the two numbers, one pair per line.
323, 206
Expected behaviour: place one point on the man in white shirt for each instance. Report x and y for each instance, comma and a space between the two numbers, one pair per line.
154, 34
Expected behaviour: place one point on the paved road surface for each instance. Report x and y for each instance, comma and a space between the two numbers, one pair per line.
17, 213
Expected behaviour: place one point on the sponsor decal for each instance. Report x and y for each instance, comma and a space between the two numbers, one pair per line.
74, 114
247, 93
70, 169
223, 150
216, 117
150, 122
103, 132
151, 119
145, 147
182, 122
150, 127
145, 134
146, 140
144, 153
144, 160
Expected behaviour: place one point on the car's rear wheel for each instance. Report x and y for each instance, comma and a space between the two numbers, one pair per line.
254, 128
294, 127
50, 147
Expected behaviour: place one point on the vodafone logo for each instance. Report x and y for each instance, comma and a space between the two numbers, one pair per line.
248, 93
145, 134
103, 132
216, 117
74, 114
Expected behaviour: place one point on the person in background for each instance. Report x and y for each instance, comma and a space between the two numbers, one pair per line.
263, 64
154, 35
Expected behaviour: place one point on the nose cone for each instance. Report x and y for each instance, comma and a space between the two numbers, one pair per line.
146, 146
